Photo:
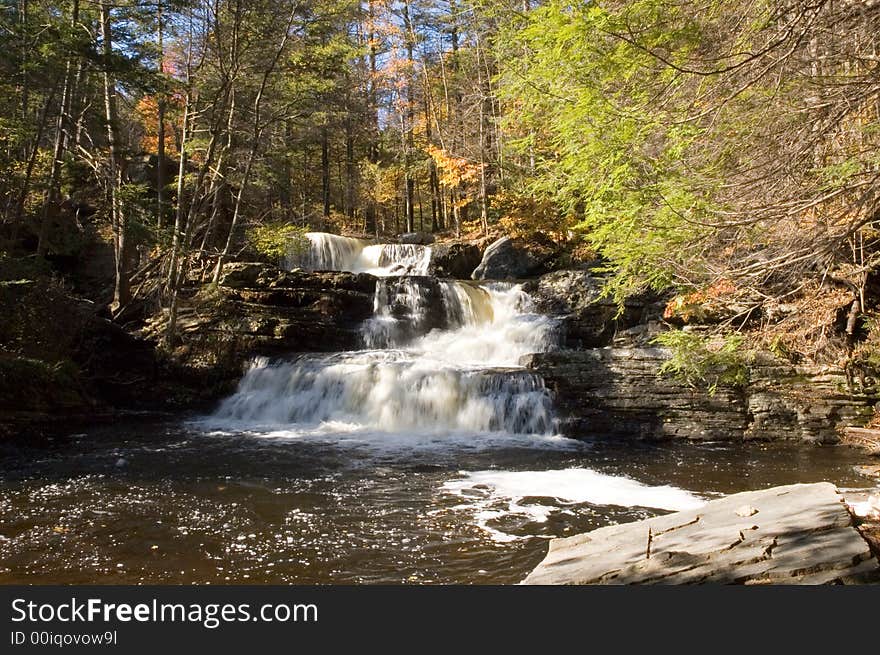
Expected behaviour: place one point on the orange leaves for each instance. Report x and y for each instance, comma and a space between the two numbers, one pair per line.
696, 304
147, 114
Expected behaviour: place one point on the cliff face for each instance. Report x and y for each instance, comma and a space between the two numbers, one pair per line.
618, 392
606, 380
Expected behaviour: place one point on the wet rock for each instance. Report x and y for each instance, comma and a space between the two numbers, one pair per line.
515, 258
417, 238
574, 298
587, 319
454, 260
801, 534
259, 309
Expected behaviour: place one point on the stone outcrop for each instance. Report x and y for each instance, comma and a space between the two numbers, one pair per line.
797, 534
515, 258
456, 259
587, 320
259, 309
606, 380
618, 392
417, 238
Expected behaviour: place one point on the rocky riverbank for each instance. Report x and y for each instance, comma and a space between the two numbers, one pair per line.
258, 309
605, 379
62, 362
797, 534
619, 392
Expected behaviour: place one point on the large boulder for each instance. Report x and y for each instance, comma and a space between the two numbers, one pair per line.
516, 258
797, 534
242, 275
455, 260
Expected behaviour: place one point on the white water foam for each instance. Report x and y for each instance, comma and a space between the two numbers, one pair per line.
458, 323
372, 443
498, 336
368, 390
493, 495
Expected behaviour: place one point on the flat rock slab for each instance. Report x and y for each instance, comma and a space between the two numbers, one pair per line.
797, 534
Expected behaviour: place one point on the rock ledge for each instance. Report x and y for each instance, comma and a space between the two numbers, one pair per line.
797, 534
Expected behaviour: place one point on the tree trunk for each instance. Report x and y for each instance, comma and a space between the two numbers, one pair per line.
325, 175
54, 190
160, 148
409, 146
18, 214
350, 170
121, 290
255, 145
23, 12
171, 328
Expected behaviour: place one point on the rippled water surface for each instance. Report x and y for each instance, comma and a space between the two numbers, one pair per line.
174, 503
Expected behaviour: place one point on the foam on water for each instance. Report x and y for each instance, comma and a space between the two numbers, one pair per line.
493, 495
499, 336
393, 396
458, 323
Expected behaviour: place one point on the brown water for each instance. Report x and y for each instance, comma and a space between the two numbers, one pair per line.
148, 502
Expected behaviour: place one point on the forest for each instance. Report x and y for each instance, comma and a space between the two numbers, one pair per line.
720, 150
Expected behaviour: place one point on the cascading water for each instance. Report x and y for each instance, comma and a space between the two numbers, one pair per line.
440, 381
444, 358
330, 252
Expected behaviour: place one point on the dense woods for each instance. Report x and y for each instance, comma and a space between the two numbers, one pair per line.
718, 149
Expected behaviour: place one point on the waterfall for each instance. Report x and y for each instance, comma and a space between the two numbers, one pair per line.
389, 394
326, 252
444, 357
408, 307
395, 259
330, 252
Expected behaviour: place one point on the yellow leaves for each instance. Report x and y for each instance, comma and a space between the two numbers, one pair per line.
453, 171
522, 215
380, 183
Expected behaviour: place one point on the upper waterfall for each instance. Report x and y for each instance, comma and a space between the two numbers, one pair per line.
331, 252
